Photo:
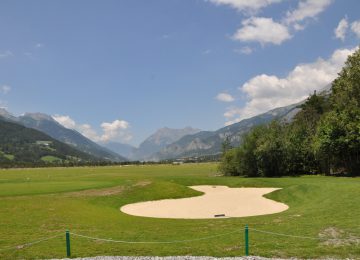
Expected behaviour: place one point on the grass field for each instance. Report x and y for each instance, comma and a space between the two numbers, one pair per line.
40, 203
50, 158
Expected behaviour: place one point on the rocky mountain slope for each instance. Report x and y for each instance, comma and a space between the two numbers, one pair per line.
210, 143
160, 139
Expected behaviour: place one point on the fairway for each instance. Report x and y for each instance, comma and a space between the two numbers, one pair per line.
322, 219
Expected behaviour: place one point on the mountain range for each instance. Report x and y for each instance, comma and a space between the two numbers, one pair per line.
153, 144
165, 143
210, 142
169, 143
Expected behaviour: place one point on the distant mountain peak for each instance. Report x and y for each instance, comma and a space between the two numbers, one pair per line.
39, 116
172, 130
169, 135
161, 138
4, 112
7, 115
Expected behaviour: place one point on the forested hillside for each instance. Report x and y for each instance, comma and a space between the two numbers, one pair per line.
49, 126
323, 138
21, 146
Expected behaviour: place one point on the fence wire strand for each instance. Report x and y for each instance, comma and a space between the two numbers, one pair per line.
296, 236
155, 242
30, 243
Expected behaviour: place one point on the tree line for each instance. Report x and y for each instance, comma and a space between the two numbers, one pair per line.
323, 138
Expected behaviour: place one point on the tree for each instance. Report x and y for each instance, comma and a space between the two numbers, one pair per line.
337, 141
270, 151
228, 164
248, 166
241, 161
226, 144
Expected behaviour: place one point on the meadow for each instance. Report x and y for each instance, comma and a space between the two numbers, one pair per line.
323, 219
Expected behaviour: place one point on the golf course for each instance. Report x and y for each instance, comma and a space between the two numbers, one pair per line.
39, 205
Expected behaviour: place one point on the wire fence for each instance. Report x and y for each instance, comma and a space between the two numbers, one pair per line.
156, 242
246, 246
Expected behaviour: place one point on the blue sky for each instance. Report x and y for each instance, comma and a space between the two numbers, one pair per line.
119, 70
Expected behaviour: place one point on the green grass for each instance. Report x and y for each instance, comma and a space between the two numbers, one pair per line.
50, 159
38, 203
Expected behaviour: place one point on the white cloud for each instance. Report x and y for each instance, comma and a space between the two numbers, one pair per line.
39, 45
263, 30
306, 9
340, 30
245, 5
355, 27
225, 97
298, 27
265, 92
66, 121
266, 30
113, 131
6, 54
88, 131
244, 50
4, 89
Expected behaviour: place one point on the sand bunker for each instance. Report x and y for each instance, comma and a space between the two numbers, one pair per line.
217, 200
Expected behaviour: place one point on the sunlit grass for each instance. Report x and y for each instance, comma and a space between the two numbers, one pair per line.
37, 203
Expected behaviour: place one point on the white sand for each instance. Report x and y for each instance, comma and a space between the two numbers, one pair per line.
233, 202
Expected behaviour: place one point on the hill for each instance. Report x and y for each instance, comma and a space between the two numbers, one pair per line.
49, 126
22, 146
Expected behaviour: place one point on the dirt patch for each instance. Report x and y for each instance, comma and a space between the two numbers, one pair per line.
333, 236
105, 191
142, 183
232, 248
97, 192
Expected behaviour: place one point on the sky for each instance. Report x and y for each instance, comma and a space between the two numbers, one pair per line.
119, 70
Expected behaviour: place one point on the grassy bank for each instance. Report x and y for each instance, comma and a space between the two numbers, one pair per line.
40, 203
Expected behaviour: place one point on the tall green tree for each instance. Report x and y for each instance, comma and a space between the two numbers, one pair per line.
270, 151
337, 142
229, 163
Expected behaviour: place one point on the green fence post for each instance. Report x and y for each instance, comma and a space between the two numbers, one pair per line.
68, 252
246, 240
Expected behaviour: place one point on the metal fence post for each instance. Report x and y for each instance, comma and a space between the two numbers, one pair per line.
246, 240
68, 252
